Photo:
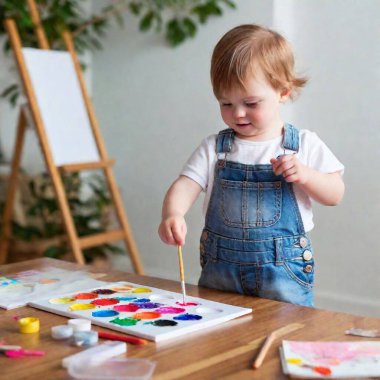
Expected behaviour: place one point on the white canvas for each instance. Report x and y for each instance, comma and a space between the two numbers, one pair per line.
60, 101
212, 313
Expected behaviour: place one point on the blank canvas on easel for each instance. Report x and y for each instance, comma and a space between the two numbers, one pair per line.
62, 107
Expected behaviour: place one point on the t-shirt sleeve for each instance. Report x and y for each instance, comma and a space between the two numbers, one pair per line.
198, 166
319, 156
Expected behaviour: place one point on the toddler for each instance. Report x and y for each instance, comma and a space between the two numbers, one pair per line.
259, 176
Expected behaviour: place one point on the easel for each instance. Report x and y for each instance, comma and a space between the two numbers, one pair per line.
76, 244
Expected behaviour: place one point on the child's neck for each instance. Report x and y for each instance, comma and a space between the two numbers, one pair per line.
264, 134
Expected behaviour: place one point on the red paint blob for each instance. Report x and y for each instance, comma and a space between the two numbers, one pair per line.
130, 307
105, 302
86, 296
322, 370
186, 303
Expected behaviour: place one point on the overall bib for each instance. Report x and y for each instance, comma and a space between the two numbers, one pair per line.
254, 240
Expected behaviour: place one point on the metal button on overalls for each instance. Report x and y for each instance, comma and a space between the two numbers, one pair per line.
307, 255
308, 268
303, 242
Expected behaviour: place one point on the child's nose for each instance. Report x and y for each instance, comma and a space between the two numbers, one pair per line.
239, 111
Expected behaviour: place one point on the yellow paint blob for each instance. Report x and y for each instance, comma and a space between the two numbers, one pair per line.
82, 306
294, 361
61, 301
141, 290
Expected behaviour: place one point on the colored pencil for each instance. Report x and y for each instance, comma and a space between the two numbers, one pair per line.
122, 338
182, 274
270, 339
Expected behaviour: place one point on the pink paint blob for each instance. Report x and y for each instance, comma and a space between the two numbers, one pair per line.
105, 302
187, 303
170, 310
127, 308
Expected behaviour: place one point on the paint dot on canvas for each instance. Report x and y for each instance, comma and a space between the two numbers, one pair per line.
126, 308
122, 289
126, 298
187, 303
187, 317
163, 323
125, 321
147, 315
61, 301
170, 310
148, 305
141, 290
104, 291
105, 302
86, 296
104, 313
82, 306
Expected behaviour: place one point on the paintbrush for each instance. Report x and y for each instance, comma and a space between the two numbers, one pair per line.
182, 275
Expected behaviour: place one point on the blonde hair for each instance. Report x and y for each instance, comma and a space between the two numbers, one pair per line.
247, 49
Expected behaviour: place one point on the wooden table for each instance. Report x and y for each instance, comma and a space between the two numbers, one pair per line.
190, 357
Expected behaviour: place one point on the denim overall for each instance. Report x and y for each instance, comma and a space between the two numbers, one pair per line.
254, 241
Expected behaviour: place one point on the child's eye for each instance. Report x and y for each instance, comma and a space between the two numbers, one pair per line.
252, 105
226, 104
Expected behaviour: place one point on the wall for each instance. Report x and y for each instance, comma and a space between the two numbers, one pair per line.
155, 105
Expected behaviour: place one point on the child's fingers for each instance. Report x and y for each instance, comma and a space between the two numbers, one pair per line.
178, 233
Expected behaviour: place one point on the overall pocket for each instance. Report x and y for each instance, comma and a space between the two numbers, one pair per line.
246, 204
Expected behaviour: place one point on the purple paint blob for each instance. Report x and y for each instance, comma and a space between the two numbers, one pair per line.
103, 291
148, 305
170, 310
187, 317
104, 313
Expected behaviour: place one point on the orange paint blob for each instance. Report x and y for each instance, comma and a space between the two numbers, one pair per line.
147, 315
86, 296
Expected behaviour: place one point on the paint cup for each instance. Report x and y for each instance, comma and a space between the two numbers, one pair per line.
80, 324
61, 332
29, 325
85, 338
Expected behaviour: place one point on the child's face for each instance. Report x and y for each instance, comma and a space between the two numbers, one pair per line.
254, 112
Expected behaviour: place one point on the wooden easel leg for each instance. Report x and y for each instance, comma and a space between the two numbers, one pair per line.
66, 213
129, 240
12, 185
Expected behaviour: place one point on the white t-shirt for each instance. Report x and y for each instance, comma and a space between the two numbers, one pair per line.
313, 152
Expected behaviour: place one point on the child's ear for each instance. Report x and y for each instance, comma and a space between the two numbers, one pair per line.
285, 94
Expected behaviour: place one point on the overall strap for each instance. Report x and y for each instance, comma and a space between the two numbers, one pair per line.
224, 141
291, 140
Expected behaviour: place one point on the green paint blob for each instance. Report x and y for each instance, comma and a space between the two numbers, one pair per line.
125, 321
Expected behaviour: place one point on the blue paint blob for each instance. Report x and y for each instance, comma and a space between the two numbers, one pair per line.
142, 300
147, 305
126, 298
187, 317
105, 313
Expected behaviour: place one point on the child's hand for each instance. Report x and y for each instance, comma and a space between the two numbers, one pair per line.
173, 230
291, 168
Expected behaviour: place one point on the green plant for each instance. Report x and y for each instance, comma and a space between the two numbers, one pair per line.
91, 213
179, 19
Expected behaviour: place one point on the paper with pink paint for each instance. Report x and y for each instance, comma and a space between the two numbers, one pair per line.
141, 310
331, 360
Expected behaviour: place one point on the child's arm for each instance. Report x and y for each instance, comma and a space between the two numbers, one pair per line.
179, 198
325, 188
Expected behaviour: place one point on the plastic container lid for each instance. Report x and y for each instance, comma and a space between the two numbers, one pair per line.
113, 369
